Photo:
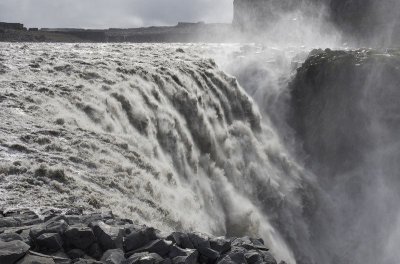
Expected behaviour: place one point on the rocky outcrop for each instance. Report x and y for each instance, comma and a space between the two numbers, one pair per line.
345, 112
332, 96
71, 237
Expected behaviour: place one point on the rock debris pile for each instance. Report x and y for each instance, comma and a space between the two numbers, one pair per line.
64, 237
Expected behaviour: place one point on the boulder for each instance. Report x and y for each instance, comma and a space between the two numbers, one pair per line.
12, 251
159, 246
113, 256
139, 237
181, 239
7, 237
94, 250
235, 255
202, 244
176, 251
180, 255
108, 237
36, 259
79, 237
199, 240
76, 253
49, 242
220, 244
208, 255
253, 257
249, 244
58, 226
144, 258
48, 214
268, 258
9, 222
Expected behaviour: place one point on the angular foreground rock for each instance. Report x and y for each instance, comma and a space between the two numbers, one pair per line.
11, 251
87, 239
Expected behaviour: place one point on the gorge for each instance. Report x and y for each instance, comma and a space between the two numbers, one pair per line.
285, 149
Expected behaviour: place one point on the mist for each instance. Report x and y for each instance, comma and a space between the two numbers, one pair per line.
292, 134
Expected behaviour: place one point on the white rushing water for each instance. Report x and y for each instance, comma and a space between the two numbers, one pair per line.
153, 132
194, 137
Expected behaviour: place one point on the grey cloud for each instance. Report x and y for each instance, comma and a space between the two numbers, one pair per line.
113, 13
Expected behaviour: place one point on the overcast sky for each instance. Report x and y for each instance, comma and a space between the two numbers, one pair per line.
113, 13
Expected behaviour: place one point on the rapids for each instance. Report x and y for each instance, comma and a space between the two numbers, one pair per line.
157, 133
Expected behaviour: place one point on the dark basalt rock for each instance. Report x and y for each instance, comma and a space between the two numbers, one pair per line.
159, 246
109, 237
94, 250
181, 239
139, 237
80, 236
120, 242
7, 237
113, 256
12, 251
35, 259
253, 257
268, 258
144, 258
76, 253
9, 222
176, 251
50, 242
249, 244
52, 226
220, 244
235, 255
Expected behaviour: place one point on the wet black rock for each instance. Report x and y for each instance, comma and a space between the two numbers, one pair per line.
144, 258
159, 246
52, 226
11, 251
34, 259
113, 256
181, 239
109, 237
50, 242
139, 238
80, 236
9, 222
249, 243
76, 253
7, 237
104, 238
220, 244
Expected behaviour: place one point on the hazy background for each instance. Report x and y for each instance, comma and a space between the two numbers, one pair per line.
113, 13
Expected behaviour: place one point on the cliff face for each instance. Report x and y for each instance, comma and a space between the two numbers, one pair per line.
345, 112
367, 21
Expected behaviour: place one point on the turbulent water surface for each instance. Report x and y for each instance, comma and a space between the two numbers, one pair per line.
165, 135
154, 132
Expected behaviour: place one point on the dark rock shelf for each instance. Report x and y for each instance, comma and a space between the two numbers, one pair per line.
64, 237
